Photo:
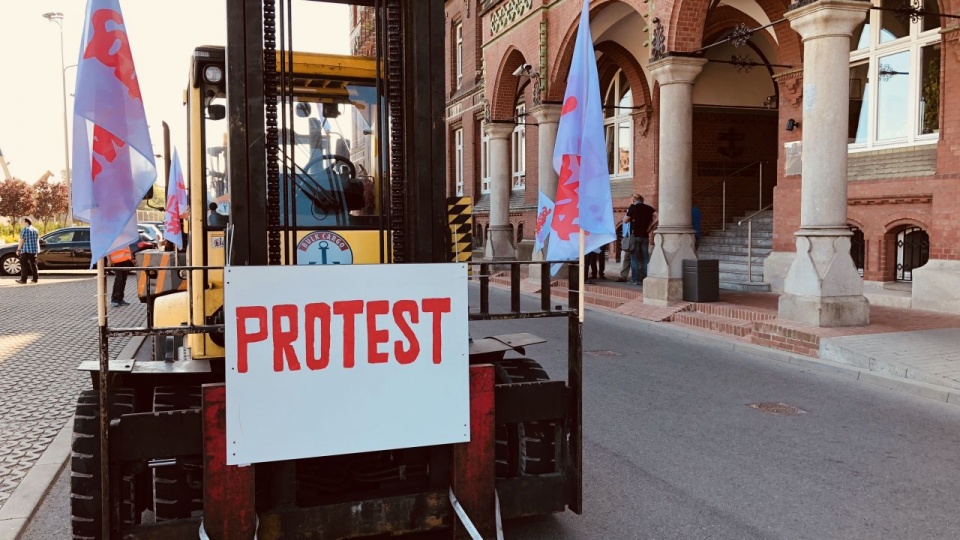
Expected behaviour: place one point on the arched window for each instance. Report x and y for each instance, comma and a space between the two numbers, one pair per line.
618, 125
519, 233
895, 78
913, 251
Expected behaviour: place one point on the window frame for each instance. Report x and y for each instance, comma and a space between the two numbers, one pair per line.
518, 148
458, 161
485, 178
913, 43
458, 53
618, 119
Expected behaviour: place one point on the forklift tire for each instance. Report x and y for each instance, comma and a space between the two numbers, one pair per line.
178, 489
526, 449
85, 500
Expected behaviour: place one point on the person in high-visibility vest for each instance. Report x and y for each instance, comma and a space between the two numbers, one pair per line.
119, 259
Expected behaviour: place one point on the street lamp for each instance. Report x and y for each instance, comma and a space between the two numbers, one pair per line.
57, 17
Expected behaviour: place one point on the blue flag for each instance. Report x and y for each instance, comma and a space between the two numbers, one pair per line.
113, 165
177, 203
583, 202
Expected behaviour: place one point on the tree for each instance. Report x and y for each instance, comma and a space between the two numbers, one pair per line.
16, 199
51, 199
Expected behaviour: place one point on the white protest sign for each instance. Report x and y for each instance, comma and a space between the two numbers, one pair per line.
336, 360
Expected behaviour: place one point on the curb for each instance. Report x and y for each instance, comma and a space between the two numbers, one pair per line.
16, 512
914, 387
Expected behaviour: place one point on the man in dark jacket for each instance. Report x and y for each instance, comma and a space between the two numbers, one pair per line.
640, 220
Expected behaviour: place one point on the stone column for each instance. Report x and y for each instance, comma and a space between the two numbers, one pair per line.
823, 287
673, 238
548, 120
499, 245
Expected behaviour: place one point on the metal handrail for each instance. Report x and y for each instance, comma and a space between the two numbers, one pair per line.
749, 220
723, 181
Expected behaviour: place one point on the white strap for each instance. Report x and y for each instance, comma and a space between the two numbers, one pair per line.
467, 524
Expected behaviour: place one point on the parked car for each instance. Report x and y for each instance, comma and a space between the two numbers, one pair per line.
154, 230
63, 249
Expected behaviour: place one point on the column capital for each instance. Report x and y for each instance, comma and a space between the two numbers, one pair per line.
498, 130
827, 18
676, 69
547, 114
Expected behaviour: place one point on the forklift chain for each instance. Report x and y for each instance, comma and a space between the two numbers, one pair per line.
272, 133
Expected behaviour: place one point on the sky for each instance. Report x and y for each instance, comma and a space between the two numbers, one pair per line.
162, 36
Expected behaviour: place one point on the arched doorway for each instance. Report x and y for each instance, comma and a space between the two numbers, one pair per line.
913, 251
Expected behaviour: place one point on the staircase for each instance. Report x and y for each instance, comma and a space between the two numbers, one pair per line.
730, 248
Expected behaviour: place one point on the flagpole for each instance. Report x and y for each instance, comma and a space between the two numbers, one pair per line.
582, 279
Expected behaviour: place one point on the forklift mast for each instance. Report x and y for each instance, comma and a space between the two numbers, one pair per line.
410, 56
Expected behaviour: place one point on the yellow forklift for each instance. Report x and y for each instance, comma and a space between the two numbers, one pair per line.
317, 160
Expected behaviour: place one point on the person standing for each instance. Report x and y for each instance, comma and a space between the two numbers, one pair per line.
696, 218
120, 259
27, 249
640, 218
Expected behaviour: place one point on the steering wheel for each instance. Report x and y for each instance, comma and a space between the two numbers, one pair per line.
335, 158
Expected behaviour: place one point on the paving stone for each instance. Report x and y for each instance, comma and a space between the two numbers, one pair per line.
49, 329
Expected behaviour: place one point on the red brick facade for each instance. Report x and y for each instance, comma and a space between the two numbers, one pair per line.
503, 34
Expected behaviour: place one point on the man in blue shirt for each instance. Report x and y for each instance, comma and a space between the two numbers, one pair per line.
27, 249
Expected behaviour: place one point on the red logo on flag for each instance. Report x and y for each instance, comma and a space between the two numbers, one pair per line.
112, 49
105, 145
568, 198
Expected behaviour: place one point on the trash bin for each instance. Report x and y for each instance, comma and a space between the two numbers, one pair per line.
701, 280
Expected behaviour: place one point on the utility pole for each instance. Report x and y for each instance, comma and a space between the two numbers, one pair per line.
57, 17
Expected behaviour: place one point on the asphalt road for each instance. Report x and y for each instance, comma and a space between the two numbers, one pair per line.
672, 449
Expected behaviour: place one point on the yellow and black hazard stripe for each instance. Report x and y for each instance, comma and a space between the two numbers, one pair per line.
460, 219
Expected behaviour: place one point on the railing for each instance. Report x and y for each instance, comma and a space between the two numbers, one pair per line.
749, 220
723, 181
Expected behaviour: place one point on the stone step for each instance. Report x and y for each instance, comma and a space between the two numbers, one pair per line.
735, 275
716, 323
739, 266
729, 257
766, 243
744, 286
732, 249
738, 233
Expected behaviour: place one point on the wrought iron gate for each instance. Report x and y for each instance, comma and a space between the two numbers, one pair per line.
913, 250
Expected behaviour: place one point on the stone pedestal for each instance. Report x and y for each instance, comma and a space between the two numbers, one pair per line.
936, 286
499, 244
674, 237
823, 287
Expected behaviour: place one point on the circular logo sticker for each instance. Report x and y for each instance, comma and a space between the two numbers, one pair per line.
324, 247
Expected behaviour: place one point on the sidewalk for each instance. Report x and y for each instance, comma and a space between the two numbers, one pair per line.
905, 343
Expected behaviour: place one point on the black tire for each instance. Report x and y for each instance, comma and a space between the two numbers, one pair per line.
10, 265
178, 489
530, 448
85, 492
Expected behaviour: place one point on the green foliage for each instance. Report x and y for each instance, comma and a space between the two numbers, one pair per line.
16, 199
51, 199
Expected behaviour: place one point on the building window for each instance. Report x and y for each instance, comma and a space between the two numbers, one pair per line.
518, 148
895, 79
618, 125
458, 161
858, 248
913, 251
484, 159
458, 32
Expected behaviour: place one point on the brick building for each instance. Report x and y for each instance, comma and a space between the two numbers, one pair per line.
879, 121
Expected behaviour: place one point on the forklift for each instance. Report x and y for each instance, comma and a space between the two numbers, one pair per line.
317, 160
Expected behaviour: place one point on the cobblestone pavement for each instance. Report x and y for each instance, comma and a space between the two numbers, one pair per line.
45, 331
